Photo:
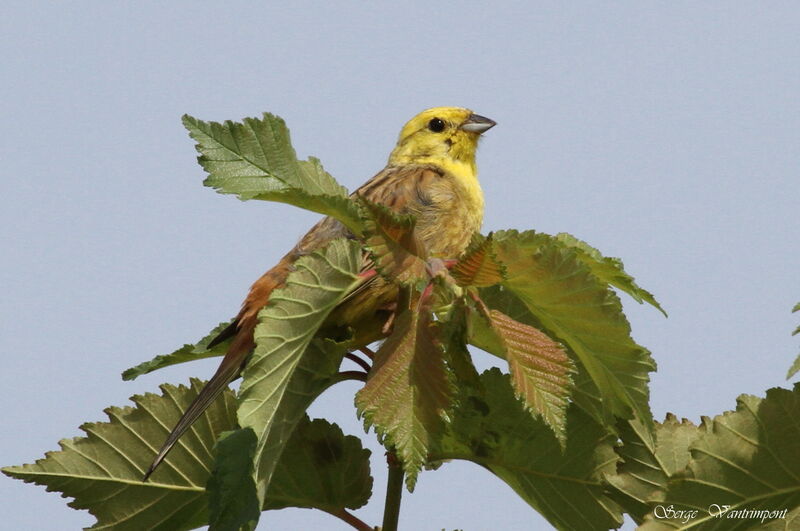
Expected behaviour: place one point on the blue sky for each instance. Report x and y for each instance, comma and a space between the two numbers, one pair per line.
662, 133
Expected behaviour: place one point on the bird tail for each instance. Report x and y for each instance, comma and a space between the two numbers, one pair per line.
235, 359
227, 371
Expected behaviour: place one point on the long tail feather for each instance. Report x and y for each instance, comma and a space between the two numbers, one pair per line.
236, 357
227, 372
229, 332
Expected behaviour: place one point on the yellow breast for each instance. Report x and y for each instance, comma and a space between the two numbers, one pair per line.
456, 213
466, 180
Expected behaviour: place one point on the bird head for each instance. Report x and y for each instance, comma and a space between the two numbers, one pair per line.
443, 136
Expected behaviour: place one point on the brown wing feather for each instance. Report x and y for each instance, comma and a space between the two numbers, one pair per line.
402, 189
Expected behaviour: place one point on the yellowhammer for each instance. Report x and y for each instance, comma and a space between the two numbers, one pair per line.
431, 175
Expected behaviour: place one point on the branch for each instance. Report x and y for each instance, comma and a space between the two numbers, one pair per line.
350, 375
394, 493
352, 519
363, 364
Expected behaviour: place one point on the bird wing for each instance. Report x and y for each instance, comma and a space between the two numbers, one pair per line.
402, 189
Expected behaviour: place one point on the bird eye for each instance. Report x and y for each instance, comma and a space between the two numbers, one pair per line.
436, 125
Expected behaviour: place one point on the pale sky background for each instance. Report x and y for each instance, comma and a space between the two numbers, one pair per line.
664, 133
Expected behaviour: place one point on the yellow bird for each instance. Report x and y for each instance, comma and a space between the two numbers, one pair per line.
431, 174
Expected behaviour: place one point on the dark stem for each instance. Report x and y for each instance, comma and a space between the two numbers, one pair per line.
352, 519
351, 375
352, 357
394, 493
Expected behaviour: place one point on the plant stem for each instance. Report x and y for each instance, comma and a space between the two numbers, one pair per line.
353, 520
351, 375
352, 357
394, 493
368, 352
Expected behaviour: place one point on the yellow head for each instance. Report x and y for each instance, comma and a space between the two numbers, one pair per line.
444, 136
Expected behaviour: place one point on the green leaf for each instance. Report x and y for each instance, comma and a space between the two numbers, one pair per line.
794, 368
584, 391
641, 478
233, 501
742, 462
274, 393
321, 468
454, 334
572, 306
796, 365
407, 391
255, 160
103, 470
540, 369
198, 351
608, 270
479, 329
492, 429
791, 520
478, 266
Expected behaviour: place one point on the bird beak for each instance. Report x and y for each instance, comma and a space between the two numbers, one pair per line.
477, 124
